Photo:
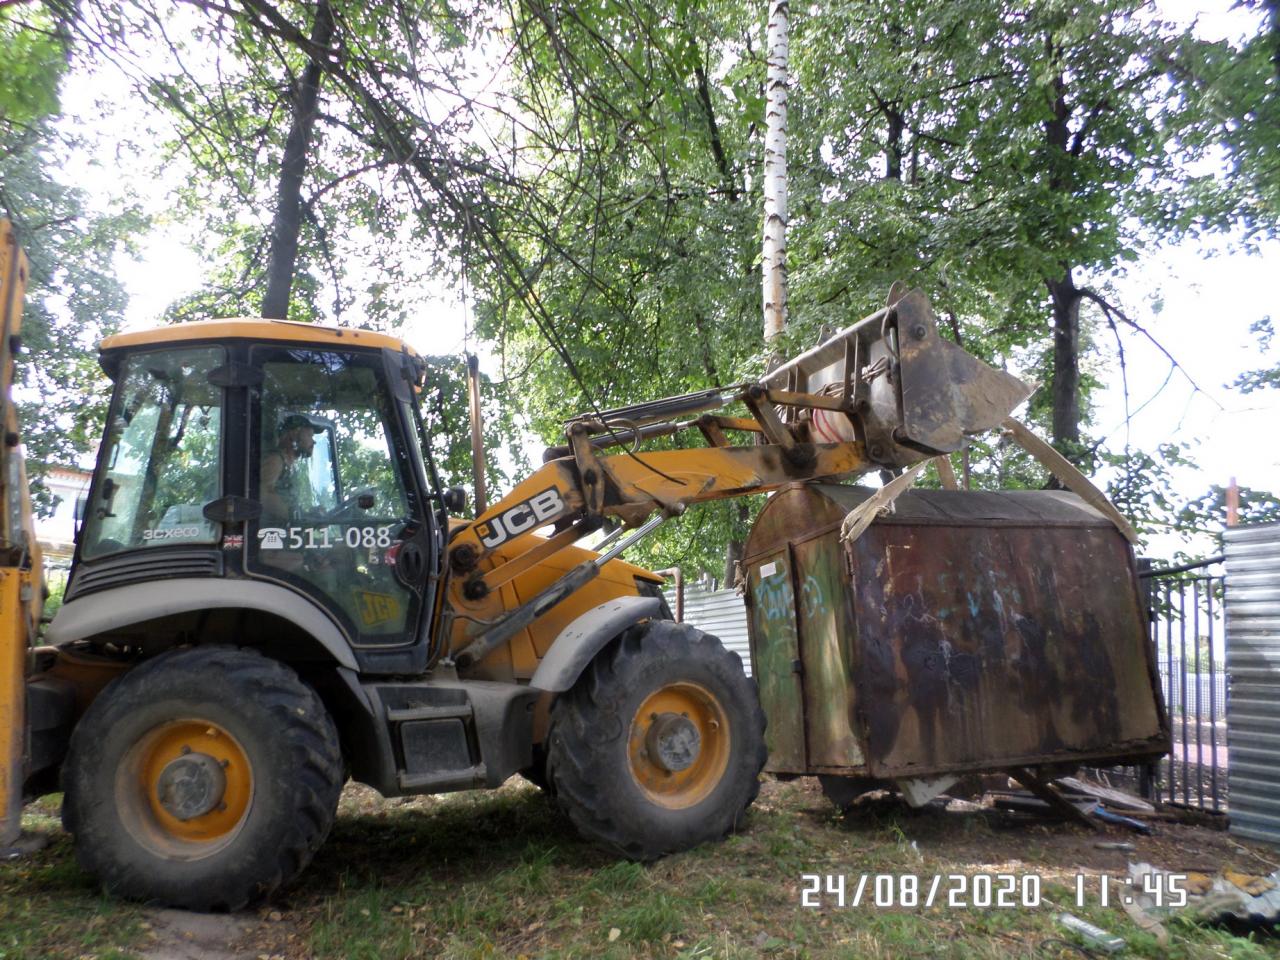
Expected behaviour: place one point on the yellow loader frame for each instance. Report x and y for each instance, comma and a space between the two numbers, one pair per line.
21, 577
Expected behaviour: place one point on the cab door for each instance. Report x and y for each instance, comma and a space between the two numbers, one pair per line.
331, 467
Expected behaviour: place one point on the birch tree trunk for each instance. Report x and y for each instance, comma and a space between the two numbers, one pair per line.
775, 169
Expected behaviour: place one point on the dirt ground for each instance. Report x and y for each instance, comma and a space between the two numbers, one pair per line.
1176, 844
179, 935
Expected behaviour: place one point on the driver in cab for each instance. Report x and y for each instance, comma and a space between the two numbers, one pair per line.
285, 485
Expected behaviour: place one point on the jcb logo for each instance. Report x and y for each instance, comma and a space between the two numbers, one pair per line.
521, 518
377, 608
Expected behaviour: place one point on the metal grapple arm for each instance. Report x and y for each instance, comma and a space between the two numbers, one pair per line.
886, 393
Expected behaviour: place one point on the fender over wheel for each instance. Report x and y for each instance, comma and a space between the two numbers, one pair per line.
658, 747
204, 779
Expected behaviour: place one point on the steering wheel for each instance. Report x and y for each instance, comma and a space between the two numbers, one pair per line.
343, 510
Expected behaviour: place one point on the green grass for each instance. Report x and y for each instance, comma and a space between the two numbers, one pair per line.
49, 908
504, 875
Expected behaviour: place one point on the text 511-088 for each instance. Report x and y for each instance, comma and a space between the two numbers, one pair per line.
980, 891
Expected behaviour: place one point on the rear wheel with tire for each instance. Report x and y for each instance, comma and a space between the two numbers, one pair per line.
203, 779
659, 745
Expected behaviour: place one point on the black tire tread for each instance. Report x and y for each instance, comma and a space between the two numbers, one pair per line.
301, 720
573, 752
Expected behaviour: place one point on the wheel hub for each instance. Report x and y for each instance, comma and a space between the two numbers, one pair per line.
673, 742
679, 744
191, 786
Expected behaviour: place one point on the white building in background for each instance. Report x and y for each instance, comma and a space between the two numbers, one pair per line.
57, 533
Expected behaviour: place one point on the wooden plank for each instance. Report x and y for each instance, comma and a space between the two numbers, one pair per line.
1071, 478
946, 476
1047, 793
1114, 798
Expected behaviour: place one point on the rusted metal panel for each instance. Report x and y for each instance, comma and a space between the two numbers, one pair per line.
775, 653
825, 616
982, 647
981, 631
793, 514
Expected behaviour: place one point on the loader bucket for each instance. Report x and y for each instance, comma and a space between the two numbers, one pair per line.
907, 390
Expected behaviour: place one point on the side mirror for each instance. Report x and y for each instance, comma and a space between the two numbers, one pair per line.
109, 488
454, 500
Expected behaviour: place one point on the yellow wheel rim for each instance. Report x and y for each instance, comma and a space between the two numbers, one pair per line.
679, 745
185, 788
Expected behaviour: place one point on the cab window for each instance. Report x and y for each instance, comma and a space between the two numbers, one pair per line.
325, 438
331, 476
161, 460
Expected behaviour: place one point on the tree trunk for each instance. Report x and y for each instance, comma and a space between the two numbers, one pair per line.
893, 149
737, 546
1066, 365
713, 131
732, 557
1062, 290
775, 170
293, 167
774, 262
1273, 10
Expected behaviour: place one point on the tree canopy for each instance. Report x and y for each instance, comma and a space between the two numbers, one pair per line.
594, 171
74, 297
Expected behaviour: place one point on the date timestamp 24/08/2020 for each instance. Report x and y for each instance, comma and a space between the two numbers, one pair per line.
980, 891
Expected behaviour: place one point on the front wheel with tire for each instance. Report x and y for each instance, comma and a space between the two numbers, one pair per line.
203, 779
658, 747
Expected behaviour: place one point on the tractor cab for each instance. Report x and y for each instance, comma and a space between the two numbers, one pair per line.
267, 451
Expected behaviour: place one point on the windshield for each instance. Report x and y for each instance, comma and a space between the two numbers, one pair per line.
161, 459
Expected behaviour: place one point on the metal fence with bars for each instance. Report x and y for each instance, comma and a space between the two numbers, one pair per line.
1187, 626
1186, 612
1205, 692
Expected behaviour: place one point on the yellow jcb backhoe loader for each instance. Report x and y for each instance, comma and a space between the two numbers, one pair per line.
271, 591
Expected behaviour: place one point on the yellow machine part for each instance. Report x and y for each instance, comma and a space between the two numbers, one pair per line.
139, 786
20, 564
255, 328
685, 788
14, 585
520, 657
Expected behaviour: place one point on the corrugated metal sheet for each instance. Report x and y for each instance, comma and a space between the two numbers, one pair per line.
720, 613
1253, 664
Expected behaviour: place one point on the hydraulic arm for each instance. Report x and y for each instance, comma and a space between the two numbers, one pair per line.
883, 394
